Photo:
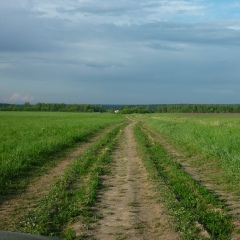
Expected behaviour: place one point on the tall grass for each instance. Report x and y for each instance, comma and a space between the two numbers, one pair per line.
214, 138
27, 140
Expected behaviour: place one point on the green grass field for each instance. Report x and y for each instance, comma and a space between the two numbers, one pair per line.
214, 139
28, 140
209, 144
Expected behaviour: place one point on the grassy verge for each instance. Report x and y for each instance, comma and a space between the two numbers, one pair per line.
215, 140
31, 140
74, 194
191, 204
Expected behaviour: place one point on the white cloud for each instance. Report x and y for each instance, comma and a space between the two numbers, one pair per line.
19, 98
119, 13
235, 27
177, 7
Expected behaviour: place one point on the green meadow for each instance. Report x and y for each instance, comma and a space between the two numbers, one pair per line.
213, 140
209, 144
28, 140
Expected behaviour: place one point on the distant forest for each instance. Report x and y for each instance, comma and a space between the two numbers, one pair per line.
53, 107
123, 109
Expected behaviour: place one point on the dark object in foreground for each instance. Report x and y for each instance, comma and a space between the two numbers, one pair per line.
23, 236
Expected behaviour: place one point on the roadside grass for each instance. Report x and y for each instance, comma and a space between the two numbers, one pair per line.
192, 205
30, 140
74, 194
214, 140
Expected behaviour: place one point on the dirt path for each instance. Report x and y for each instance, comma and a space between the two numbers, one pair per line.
12, 210
127, 201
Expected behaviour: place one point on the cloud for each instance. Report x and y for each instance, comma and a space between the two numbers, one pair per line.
121, 12
25, 32
170, 9
95, 8
44, 26
234, 27
19, 98
86, 48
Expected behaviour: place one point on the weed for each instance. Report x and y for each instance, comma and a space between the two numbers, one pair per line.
133, 204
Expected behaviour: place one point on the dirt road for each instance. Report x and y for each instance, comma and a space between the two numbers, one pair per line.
127, 201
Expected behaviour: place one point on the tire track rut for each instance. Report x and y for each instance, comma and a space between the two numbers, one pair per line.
13, 209
203, 176
127, 200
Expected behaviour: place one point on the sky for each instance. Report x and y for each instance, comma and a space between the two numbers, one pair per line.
120, 52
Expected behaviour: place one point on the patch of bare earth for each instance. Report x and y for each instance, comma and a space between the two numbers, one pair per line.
127, 200
204, 176
13, 209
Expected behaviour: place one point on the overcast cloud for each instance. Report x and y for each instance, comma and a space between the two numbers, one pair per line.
120, 52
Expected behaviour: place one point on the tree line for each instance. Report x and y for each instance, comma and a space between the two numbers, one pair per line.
53, 107
183, 108
154, 108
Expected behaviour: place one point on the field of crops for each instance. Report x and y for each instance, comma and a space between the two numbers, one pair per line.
28, 140
193, 162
